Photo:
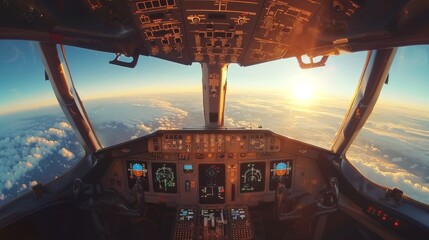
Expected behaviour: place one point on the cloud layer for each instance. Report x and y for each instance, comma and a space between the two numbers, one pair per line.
391, 149
33, 153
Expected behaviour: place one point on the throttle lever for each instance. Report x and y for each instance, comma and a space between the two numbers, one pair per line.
138, 192
333, 186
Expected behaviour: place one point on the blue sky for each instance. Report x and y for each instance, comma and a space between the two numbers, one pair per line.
23, 85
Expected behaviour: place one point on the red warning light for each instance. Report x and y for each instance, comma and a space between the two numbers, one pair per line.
396, 224
379, 212
384, 218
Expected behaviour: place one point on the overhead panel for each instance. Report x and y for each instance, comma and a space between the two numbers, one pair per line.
219, 31
161, 28
281, 30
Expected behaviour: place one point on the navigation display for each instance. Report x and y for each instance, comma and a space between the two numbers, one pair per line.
164, 177
281, 171
137, 170
211, 183
252, 177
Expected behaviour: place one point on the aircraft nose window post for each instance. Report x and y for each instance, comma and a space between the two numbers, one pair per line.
214, 120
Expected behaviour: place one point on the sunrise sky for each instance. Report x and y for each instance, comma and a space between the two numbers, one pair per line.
24, 87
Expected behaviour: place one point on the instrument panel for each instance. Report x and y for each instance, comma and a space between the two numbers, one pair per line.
217, 167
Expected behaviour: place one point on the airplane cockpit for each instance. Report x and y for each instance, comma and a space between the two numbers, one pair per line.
213, 176
213, 180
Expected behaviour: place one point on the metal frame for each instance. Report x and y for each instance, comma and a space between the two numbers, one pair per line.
373, 77
67, 97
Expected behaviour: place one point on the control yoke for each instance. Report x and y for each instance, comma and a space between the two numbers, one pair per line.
288, 207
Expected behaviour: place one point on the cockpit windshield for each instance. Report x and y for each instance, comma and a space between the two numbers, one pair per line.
391, 148
306, 104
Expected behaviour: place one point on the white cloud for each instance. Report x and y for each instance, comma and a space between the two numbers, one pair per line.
56, 132
143, 127
8, 184
396, 159
63, 125
28, 165
414, 166
41, 142
66, 153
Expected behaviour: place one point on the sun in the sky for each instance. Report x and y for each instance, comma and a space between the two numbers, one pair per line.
303, 90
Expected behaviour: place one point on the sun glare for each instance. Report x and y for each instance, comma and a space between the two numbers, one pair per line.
303, 91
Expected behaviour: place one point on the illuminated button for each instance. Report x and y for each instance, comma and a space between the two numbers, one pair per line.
396, 224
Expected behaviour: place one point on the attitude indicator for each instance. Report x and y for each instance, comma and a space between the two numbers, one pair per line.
280, 172
252, 177
137, 170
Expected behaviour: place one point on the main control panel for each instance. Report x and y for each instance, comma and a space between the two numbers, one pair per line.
214, 168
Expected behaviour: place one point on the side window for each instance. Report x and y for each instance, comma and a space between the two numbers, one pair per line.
37, 143
392, 148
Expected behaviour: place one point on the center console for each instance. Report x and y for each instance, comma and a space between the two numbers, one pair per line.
213, 223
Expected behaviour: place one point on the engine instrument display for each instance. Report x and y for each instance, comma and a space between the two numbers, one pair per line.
164, 177
281, 171
252, 177
211, 183
137, 170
